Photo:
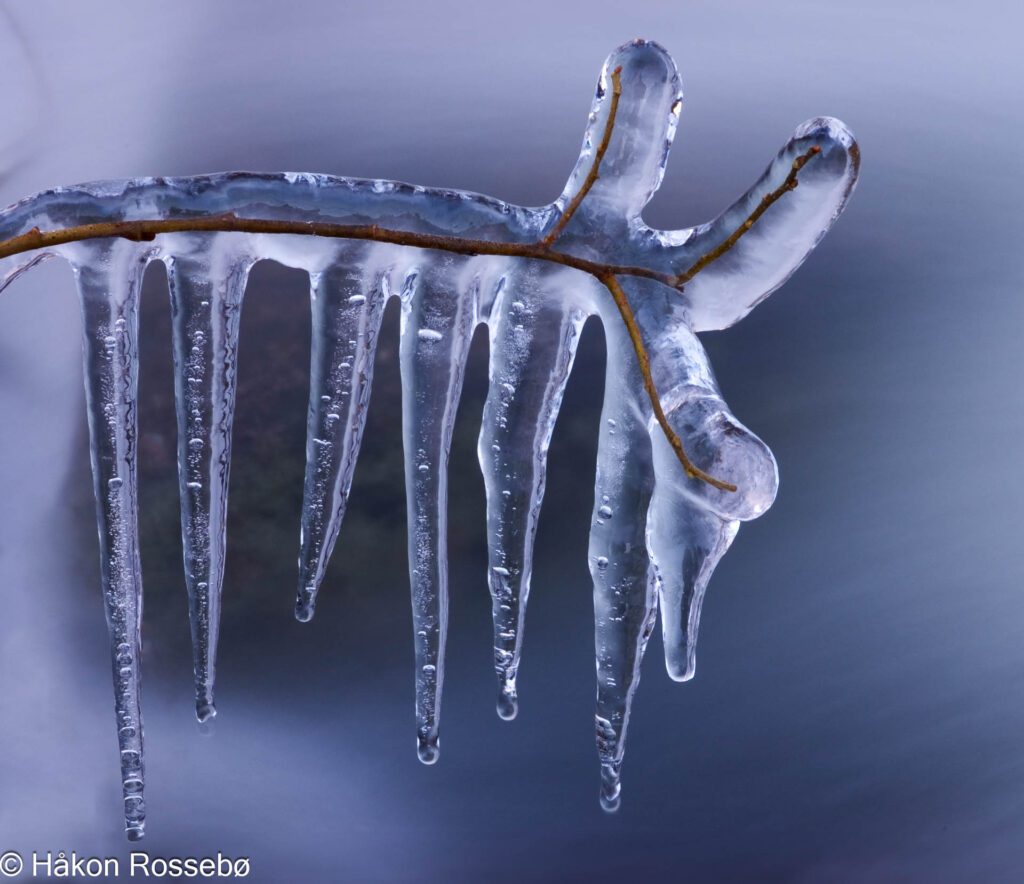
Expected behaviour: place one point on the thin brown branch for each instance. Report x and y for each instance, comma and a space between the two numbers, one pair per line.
147, 230
595, 167
626, 312
766, 201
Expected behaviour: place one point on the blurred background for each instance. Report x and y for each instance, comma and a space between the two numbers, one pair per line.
857, 712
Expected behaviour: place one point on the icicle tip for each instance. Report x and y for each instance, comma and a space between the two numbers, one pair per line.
304, 610
206, 710
427, 749
508, 701
611, 788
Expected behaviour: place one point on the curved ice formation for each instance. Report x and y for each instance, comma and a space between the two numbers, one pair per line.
656, 533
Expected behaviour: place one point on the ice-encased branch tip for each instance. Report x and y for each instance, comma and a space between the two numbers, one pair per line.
595, 168
767, 201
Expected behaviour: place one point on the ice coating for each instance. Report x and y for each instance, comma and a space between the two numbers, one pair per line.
656, 533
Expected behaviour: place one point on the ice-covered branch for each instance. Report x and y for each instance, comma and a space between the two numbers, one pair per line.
676, 474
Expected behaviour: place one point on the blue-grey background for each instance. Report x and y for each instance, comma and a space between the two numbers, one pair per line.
858, 712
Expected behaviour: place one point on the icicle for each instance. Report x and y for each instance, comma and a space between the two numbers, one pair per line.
534, 332
207, 282
686, 542
624, 599
438, 317
109, 276
347, 303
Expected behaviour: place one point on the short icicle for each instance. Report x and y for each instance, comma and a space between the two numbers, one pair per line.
625, 605
686, 542
438, 317
109, 276
534, 332
207, 282
347, 303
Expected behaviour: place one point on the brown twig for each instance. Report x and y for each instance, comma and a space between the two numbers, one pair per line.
626, 312
595, 167
147, 230
766, 201
607, 274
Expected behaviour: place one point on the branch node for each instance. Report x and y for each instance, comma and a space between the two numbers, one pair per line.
611, 282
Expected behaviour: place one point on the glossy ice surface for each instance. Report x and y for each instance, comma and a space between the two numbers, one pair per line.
656, 534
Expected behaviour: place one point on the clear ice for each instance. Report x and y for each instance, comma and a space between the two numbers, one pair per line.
656, 534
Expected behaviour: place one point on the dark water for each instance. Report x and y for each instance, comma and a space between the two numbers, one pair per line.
857, 713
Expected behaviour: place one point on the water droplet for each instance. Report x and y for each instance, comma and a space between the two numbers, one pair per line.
508, 703
427, 750
206, 711
610, 803
304, 611
602, 562
428, 334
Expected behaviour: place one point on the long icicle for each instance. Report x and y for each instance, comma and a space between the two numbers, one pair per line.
438, 316
206, 286
109, 276
534, 332
624, 598
347, 306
